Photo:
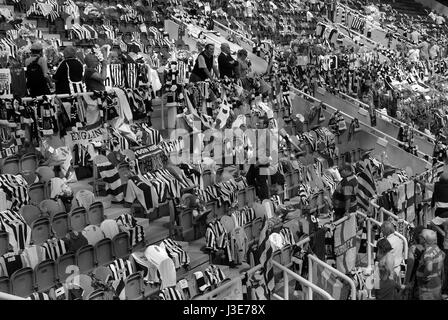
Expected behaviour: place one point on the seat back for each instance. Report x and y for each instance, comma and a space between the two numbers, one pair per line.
250, 195
104, 252
98, 294
241, 198
40, 231
11, 165
85, 259
29, 213
45, 275
286, 255
36, 192
95, 215
78, 219
207, 178
186, 219
29, 176
60, 225
28, 163
45, 174
276, 256
256, 227
122, 245
4, 242
248, 231
5, 285
51, 207
65, 260
22, 282
134, 287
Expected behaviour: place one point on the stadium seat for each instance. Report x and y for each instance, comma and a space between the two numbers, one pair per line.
51, 207
78, 219
256, 228
29, 176
65, 260
11, 165
95, 214
5, 285
286, 255
36, 192
28, 163
104, 252
102, 273
4, 242
22, 282
85, 259
45, 275
248, 231
29, 213
134, 288
40, 231
207, 178
121, 245
250, 195
276, 256
110, 228
241, 198
186, 219
98, 294
60, 225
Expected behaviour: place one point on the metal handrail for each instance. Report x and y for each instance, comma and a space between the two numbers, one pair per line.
7, 296
333, 270
378, 132
311, 286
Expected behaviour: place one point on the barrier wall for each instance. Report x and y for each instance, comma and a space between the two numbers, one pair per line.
366, 138
384, 123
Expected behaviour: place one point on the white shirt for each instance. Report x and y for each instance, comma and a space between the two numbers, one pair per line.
415, 35
397, 249
440, 20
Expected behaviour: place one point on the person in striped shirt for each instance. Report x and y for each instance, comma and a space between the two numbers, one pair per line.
430, 268
344, 197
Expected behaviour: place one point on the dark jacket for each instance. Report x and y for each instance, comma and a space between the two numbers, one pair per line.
440, 195
60, 77
199, 73
226, 65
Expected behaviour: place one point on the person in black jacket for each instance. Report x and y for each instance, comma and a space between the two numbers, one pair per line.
204, 64
226, 63
439, 199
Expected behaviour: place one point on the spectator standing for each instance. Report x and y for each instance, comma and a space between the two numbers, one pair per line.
204, 64
430, 268
38, 81
243, 67
388, 230
226, 63
344, 197
63, 74
415, 253
93, 79
389, 289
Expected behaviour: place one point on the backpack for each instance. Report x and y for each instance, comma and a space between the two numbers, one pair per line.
34, 74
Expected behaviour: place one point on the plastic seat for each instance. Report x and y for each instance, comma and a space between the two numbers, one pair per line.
95, 214
45, 174
22, 282
11, 165
103, 273
51, 207
30, 213
28, 163
186, 219
286, 255
85, 259
276, 256
29, 176
134, 288
250, 195
241, 198
40, 231
5, 285
98, 294
207, 178
122, 245
248, 231
60, 225
110, 228
36, 192
65, 260
256, 227
78, 219
45, 275
104, 252
4, 242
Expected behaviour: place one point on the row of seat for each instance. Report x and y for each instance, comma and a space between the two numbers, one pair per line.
48, 273
25, 164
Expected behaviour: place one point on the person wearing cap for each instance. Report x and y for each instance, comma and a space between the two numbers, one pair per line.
429, 272
226, 63
415, 252
38, 87
344, 197
204, 65
388, 230
76, 71
93, 79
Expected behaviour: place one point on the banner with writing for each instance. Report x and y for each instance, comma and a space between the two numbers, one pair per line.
345, 245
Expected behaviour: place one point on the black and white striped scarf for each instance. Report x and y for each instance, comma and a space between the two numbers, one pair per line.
176, 253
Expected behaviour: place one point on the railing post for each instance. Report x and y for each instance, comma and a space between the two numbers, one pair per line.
286, 285
369, 244
310, 278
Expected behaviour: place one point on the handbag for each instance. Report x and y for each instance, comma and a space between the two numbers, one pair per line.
75, 86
